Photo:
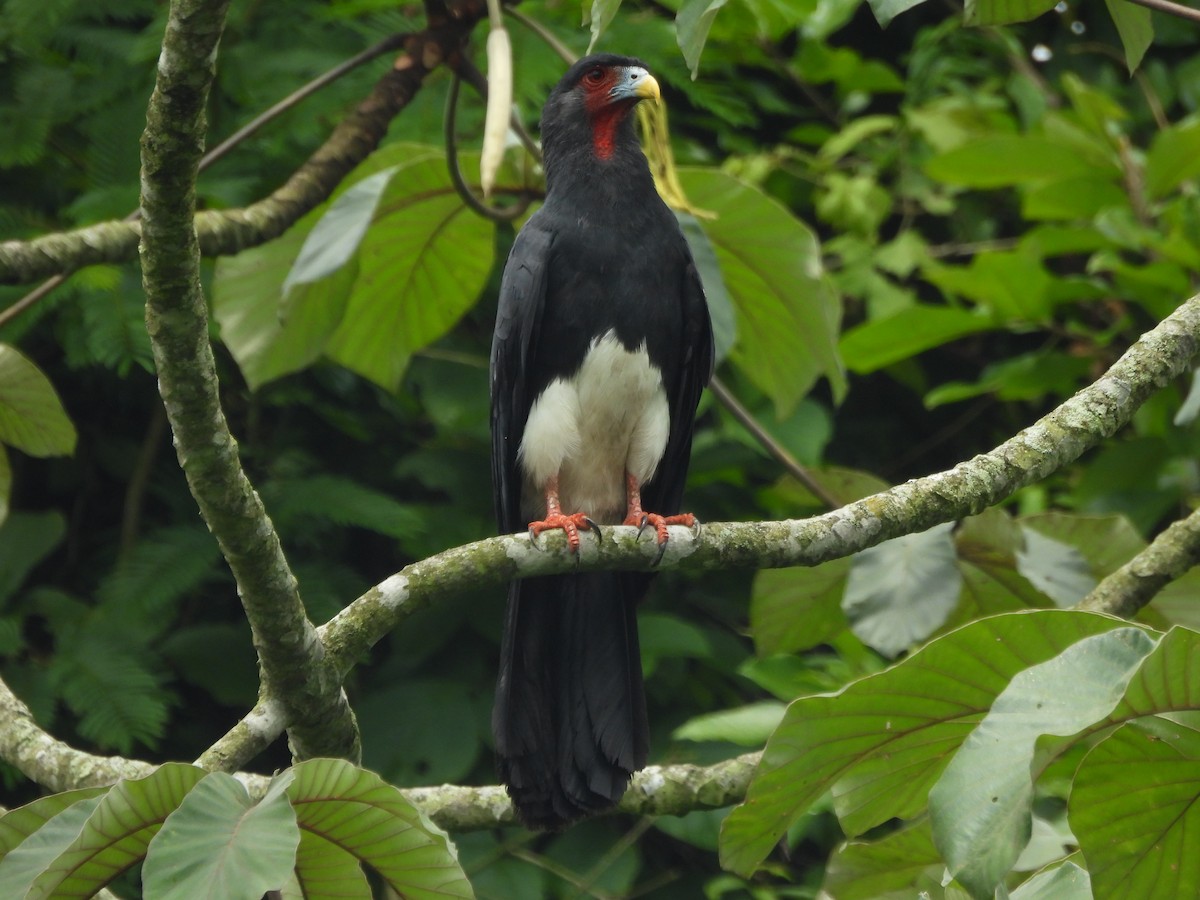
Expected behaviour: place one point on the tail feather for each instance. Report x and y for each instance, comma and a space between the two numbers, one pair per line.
570, 713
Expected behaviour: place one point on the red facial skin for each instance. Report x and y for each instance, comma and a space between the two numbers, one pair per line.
606, 114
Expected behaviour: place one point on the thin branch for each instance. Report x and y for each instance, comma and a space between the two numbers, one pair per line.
1172, 9
776, 450
250, 128
1135, 584
494, 213
227, 232
551, 40
389, 43
294, 670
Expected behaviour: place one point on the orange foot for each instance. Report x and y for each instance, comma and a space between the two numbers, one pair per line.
571, 525
643, 520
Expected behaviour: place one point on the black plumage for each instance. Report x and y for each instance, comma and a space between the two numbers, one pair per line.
602, 347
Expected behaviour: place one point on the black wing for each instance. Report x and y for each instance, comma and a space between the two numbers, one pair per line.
664, 493
518, 317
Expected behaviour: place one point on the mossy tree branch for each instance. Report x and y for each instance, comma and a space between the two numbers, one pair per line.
295, 672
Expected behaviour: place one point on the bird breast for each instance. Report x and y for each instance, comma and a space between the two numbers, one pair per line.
608, 418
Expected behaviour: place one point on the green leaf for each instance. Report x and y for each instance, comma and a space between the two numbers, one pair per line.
901, 591
1055, 568
1064, 882
25, 862
720, 305
18, 824
323, 869
117, 832
749, 726
881, 342
1174, 157
334, 239
1012, 286
220, 843
25, 540
795, 609
980, 807
1135, 807
365, 816
32, 418
1136, 28
787, 314
599, 13
344, 502
692, 23
421, 265
1004, 12
1005, 160
881, 743
899, 866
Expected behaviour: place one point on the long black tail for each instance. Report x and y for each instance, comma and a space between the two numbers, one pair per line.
570, 713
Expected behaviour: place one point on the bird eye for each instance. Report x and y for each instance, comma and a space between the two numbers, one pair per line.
595, 76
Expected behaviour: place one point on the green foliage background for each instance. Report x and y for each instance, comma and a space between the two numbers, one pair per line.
999, 213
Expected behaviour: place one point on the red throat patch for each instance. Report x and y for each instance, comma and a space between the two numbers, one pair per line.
605, 114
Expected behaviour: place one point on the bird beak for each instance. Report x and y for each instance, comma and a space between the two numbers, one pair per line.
637, 84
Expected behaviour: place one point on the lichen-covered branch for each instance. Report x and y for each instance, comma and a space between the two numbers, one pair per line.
1091, 415
49, 762
225, 232
295, 672
1081, 422
1132, 586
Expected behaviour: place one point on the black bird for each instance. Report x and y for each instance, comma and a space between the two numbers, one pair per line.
602, 347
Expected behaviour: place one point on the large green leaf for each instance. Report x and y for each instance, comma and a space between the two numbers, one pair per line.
787, 314
899, 866
880, 743
720, 306
32, 418
421, 265
219, 843
323, 869
279, 304
117, 832
795, 609
357, 811
886, 10
18, 824
981, 805
901, 591
25, 862
1055, 568
1136, 808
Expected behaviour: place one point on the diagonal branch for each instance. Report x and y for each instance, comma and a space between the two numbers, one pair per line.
226, 232
1132, 586
294, 669
1081, 422
1095, 413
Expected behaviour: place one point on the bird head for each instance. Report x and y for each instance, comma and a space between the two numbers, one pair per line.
590, 106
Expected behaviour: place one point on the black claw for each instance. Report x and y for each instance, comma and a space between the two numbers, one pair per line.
533, 539
642, 527
662, 549
592, 526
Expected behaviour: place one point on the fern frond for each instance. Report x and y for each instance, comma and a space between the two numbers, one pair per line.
160, 570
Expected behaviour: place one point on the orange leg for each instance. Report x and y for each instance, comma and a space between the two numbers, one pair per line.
636, 516
555, 518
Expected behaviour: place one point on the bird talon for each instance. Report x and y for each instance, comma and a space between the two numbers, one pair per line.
590, 525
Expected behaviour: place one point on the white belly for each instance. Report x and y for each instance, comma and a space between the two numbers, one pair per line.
610, 418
